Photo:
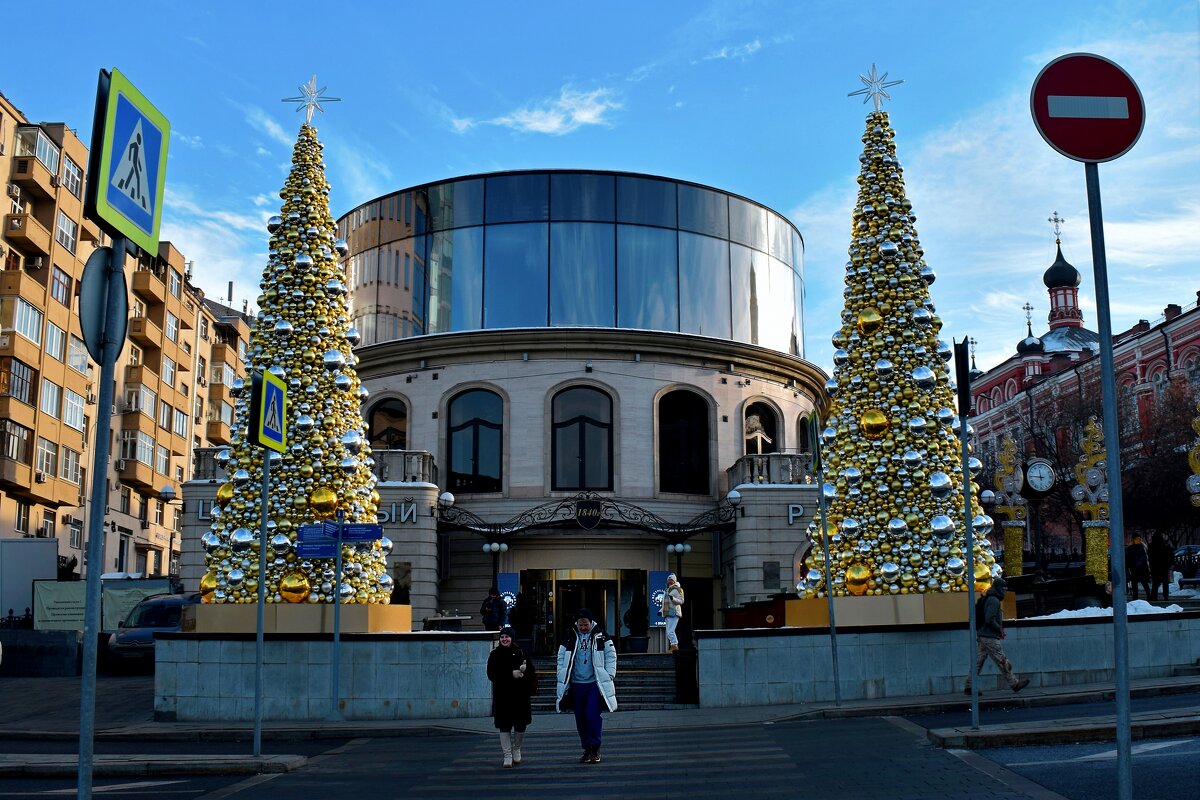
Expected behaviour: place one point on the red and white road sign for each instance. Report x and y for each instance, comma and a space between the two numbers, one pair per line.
1087, 108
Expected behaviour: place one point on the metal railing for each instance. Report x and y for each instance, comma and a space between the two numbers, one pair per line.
397, 466
778, 468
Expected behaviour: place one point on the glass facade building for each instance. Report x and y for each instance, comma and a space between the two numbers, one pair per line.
574, 249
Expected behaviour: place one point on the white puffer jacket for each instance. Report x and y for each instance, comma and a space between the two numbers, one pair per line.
604, 662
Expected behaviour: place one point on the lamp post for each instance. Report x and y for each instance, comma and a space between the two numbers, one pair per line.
167, 493
495, 548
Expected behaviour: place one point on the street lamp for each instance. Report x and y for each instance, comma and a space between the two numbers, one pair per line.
167, 493
495, 548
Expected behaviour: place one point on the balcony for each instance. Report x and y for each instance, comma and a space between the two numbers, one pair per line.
225, 353
149, 287
773, 468
145, 332
33, 177
204, 465
140, 374
405, 466
135, 473
217, 431
27, 234
15, 475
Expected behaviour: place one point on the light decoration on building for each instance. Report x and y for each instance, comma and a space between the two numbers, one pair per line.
1193, 481
1011, 504
1090, 494
893, 471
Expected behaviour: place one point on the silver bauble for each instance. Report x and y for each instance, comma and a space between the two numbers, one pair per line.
242, 540
924, 378
274, 223
334, 360
942, 527
343, 382
340, 246
956, 567
241, 477
940, 484
353, 337
305, 423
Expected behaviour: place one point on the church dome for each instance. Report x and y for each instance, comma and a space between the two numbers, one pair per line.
1061, 273
1030, 345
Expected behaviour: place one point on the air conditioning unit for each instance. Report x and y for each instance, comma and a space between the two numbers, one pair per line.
37, 262
198, 420
40, 477
67, 519
145, 524
13, 189
55, 181
120, 465
204, 336
91, 399
1, 148
202, 381
114, 409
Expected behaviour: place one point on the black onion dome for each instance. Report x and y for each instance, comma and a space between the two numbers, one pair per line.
1030, 344
1061, 273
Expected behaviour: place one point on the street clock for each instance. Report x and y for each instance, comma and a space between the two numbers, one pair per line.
1039, 478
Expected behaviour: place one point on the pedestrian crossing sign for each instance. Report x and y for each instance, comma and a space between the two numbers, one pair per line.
268, 412
128, 168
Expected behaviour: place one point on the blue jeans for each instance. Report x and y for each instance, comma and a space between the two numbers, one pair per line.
588, 722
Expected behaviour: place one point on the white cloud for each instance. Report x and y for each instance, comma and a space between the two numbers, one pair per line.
357, 171
741, 52
191, 141
568, 112
260, 121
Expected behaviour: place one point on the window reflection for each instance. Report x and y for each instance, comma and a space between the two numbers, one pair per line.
514, 288
775, 306
518, 198
647, 283
683, 437
581, 439
645, 201
748, 271
703, 211
747, 223
582, 197
582, 274
474, 437
780, 234
456, 280
704, 285
453, 205
389, 425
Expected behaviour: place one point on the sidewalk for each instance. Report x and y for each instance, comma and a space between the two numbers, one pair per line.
58, 721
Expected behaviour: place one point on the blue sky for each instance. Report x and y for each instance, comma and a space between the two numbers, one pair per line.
745, 95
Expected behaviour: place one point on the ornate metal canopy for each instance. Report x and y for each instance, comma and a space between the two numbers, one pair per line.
589, 510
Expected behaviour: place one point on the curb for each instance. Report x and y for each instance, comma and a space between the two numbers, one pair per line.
125, 766
1065, 732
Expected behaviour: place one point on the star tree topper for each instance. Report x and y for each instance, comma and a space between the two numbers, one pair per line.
875, 88
311, 98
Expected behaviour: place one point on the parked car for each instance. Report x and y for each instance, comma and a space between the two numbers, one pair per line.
1187, 560
133, 643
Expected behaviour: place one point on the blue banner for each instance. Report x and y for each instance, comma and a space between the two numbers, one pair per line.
657, 585
509, 583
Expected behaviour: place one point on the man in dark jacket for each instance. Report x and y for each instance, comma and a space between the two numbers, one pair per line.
989, 619
1162, 559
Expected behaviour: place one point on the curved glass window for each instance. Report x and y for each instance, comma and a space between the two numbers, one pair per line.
453, 205
683, 438
748, 223
646, 201
748, 287
761, 429
514, 285
389, 425
581, 440
780, 235
647, 279
583, 276
776, 307
518, 198
703, 211
474, 441
704, 285
587, 198
455, 280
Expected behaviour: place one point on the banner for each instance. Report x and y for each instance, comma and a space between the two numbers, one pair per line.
509, 583
658, 588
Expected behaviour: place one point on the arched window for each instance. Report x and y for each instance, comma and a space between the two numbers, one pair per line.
581, 439
761, 429
475, 441
683, 439
389, 425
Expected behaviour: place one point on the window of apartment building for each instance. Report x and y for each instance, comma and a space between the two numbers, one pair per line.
683, 441
241, 347
33, 141
76, 532
77, 354
70, 466
72, 176
581, 439
67, 232
73, 412
202, 369
181, 422
16, 380
223, 373
227, 414
179, 472
126, 499
204, 329
138, 309
168, 371
162, 460
172, 327
56, 341
47, 457
22, 521
164, 415
27, 320
135, 356
139, 446
51, 400
159, 509
48, 530
174, 282
60, 286
145, 400
15, 207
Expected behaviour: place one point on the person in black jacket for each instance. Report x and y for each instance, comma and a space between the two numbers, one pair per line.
492, 610
513, 681
989, 617
1137, 567
1162, 559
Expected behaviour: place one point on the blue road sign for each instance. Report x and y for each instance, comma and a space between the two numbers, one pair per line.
268, 411
324, 549
362, 532
330, 528
313, 533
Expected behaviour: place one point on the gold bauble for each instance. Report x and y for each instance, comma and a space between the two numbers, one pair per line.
294, 587
857, 577
869, 321
874, 423
323, 502
225, 493
983, 577
208, 585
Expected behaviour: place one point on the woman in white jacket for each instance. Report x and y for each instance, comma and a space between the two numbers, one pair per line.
672, 610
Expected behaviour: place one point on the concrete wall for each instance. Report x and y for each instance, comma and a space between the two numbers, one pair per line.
41, 653
793, 665
381, 676
764, 534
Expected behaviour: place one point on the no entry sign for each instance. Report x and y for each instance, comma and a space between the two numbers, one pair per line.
1087, 108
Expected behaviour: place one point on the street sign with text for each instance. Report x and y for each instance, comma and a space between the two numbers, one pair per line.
1087, 108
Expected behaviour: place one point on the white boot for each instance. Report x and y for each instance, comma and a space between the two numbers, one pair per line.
518, 738
506, 747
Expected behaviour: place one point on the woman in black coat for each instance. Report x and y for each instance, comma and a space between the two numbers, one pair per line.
513, 681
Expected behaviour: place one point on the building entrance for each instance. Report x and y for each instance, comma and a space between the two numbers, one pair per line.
555, 596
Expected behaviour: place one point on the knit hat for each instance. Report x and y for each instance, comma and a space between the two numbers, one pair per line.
507, 630
671, 577
583, 613
998, 583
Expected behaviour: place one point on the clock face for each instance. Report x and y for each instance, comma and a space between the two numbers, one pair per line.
1040, 476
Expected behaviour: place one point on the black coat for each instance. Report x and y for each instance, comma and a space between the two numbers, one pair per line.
510, 696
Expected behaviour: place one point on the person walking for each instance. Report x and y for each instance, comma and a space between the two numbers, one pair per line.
513, 683
672, 610
1137, 566
1162, 560
989, 617
492, 610
587, 669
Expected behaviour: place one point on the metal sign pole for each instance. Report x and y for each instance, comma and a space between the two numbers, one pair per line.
335, 656
95, 543
1112, 458
964, 408
837, 683
262, 601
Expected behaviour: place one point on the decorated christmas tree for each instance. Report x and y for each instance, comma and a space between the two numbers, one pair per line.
893, 460
302, 335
